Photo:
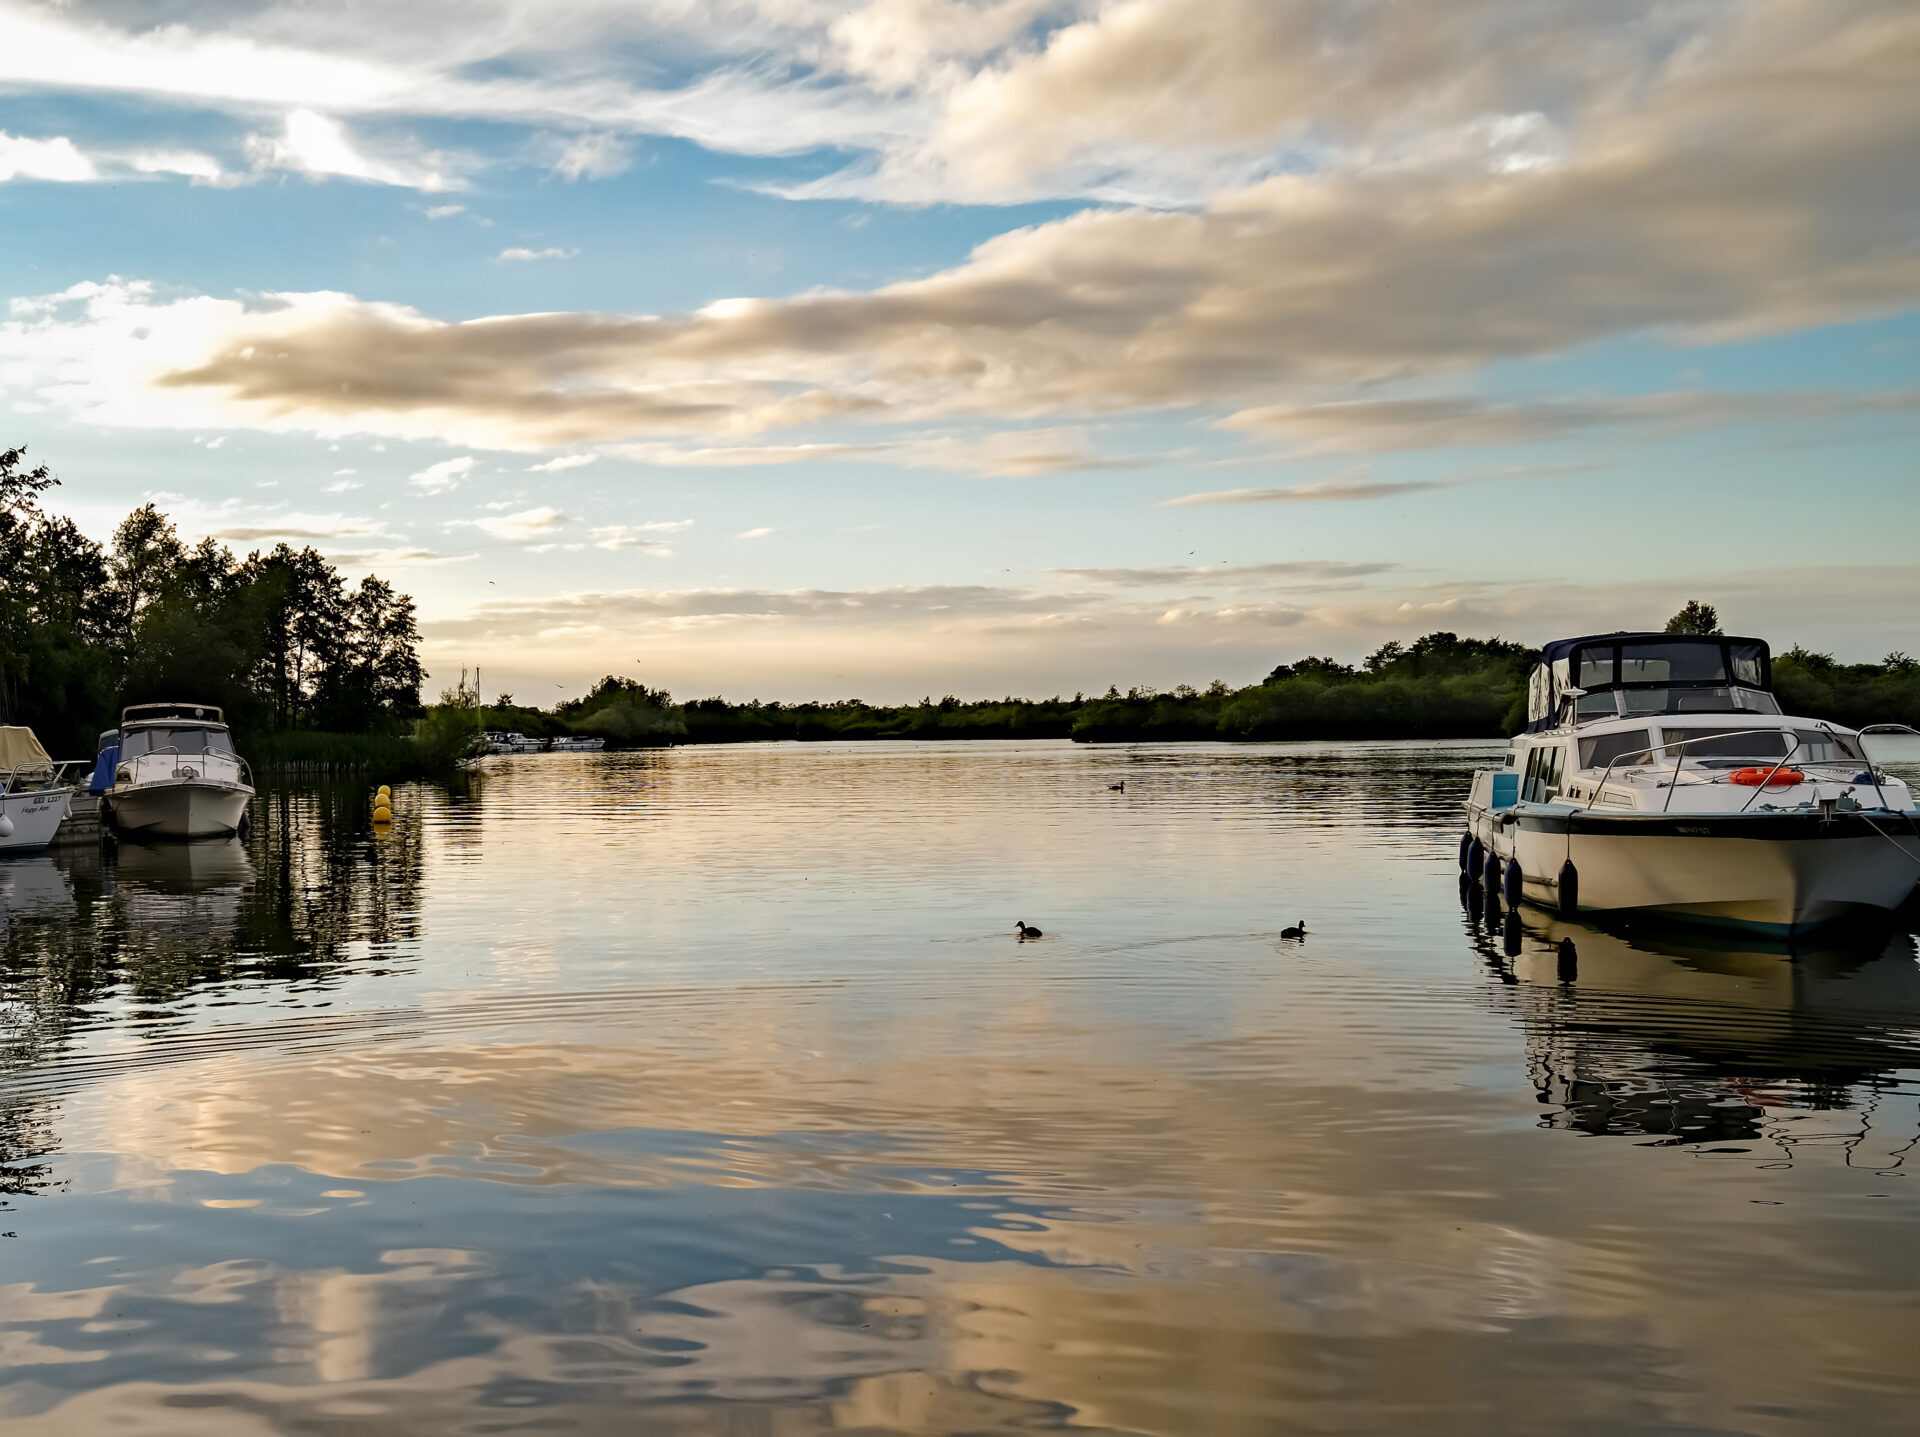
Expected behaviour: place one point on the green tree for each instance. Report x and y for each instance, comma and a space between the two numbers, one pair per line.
1695, 618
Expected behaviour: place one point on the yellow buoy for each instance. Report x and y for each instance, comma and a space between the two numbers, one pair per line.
383, 814
383, 792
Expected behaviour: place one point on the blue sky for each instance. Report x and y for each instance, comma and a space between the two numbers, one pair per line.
793, 349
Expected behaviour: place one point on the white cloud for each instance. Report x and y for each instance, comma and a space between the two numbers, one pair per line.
443, 475
552, 252
444, 212
562, 463
760, 533
525, 527
201, 169
343, 486
633, 536
591, 156
60, 159
318, 145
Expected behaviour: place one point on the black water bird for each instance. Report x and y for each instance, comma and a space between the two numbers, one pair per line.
1299, 930
1120, 787
1024, 931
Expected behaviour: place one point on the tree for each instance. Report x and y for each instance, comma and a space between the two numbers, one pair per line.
1695, 618
20, 489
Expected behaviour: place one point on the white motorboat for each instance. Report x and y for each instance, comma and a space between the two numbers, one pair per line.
1657, 775
578, 745
508, 741
34, 794
175, 774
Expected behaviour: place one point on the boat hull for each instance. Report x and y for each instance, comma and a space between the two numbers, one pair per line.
34, 817
1777, 875
180, 808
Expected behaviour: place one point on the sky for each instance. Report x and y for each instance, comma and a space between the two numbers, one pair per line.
794, 349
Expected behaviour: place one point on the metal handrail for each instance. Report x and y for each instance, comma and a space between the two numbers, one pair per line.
246, 769
1719, 734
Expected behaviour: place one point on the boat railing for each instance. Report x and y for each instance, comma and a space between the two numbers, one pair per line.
1678, 749
239, 763
41, 776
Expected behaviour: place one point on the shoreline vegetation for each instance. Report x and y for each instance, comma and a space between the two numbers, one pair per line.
319, 676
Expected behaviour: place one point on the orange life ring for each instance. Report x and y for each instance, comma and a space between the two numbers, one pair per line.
1770, 777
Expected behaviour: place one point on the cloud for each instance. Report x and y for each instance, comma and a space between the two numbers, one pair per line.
1364, 426
318, 145
444, 475
553, 252
564, 462
56, 159
1011, 454
201, 169
1325, 491
298, 526
1306, 572
760, 533
444, 212
591, 156
1393, 194
524, 527
632, 536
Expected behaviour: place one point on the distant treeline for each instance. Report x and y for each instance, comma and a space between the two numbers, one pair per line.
278, 639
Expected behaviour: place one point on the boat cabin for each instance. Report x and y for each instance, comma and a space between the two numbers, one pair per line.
1629, 675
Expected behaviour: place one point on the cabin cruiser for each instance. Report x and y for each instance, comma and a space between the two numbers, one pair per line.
175, 774
34, 796
510, 741
578, 745
1657, 775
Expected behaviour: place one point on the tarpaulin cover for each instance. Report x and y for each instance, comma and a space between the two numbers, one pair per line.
18, 746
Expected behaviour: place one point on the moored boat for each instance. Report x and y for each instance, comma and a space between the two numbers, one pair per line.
1658, 775
578, 745
34, 796
175, 773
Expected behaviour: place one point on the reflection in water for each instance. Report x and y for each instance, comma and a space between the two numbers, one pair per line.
1694, 1038
708, 1092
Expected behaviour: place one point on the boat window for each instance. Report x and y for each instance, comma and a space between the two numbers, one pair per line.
1552, 764
1749, 664
1704, 743
182, 741
1823, 746
1672, 664
1596, 669
1619, 749
1600, 705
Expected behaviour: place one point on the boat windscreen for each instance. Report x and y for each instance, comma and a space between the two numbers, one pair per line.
182, 741
1619, 749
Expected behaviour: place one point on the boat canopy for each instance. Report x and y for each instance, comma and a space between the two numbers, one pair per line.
19, 747
171, 714
1651, 673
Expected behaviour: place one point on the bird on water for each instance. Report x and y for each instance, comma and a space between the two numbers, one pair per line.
1024, 931
1299, 930
1120, 787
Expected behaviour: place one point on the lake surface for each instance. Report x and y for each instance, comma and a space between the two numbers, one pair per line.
708, 1091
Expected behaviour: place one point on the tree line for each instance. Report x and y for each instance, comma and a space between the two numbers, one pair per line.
279, 638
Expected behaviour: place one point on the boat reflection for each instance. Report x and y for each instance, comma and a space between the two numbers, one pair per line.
1690, 1038
202, 886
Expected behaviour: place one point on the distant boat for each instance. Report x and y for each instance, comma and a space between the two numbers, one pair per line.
508, 741
578, 745
33, 796
175, 774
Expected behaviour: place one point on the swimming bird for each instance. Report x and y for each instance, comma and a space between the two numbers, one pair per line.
1120, 787
1299, 930
1024, 931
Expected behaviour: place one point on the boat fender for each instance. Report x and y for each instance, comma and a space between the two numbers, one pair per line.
1490, 875
1569, 890
1466, 843
1514, 882
6, 826
1770, 777
1476, 859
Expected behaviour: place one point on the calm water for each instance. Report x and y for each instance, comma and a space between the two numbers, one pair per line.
708, 1091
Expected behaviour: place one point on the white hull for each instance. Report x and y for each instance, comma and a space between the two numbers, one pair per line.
179, 808
34, 816
1727, 874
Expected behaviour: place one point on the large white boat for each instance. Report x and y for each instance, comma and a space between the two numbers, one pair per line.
175, 774
1657, 775
34, 794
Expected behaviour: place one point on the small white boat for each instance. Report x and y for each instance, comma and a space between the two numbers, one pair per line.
1657, 775
508, 741
34, 793
578, 745
175, 774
